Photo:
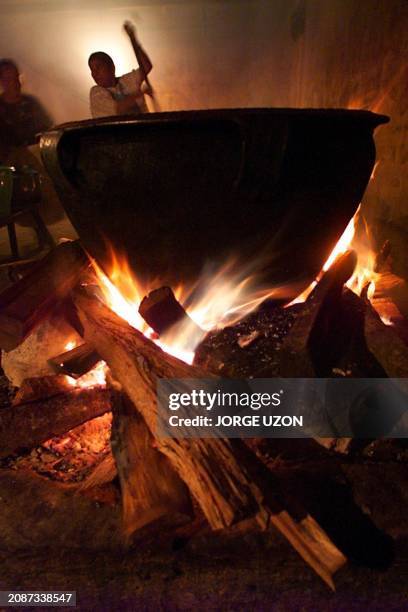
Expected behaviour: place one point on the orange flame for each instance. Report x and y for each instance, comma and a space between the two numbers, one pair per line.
121, 291
342, 245
225, 295
218, 297
365, 276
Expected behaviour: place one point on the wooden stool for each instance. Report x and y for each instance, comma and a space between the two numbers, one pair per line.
43, 235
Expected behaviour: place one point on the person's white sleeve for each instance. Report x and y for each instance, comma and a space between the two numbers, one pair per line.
102, 102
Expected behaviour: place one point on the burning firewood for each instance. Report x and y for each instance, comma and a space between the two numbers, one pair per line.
166, 315
28, 424
150, 488
275, 341
161, 310
41, 388
127, 350
76, 362
309, 347
27, 302
217, 471
382, 341
376, 351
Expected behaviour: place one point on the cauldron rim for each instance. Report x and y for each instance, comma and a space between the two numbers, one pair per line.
227, 113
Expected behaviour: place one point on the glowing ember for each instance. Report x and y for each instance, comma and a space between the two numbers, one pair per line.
93, 378
70, 345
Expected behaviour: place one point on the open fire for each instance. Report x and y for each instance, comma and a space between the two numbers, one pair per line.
365, 275
219, 298
225, 296
227, 325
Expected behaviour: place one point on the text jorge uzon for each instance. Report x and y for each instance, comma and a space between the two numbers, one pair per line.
253, 420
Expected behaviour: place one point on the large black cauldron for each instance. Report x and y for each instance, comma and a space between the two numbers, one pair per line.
174, 190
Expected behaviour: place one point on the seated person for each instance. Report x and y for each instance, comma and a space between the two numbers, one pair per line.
22, 116
114, 95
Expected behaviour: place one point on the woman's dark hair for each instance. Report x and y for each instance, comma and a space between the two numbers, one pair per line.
102, 56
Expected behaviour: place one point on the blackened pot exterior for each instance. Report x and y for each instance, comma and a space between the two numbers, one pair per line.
176, 190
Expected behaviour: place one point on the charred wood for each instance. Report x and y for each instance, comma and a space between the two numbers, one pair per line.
41, 388
375, 352
380, 340
75, 362
314, 345
252, 347
161, 310
26, 425
277, 341
166, 316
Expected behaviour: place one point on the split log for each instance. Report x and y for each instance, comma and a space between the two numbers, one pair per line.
216, 470
381, 340
167, 317
27, 302
41, 388
313, 343
161, 310
201, 463
151, 489
29, 424
377, 352
75, 362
